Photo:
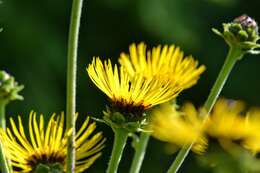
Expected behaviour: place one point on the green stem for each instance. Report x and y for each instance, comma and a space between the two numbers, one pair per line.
140, 150
234, 54
179, 159
4, 163
71, 80
2, 115
120, 139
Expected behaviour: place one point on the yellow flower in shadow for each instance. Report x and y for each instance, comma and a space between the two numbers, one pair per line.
166, 63
179, 127
47, 145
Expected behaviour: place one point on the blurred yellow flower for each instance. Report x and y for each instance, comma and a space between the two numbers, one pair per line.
129, 94
226, 120
252, 141
230, 122
49, 146
167, 63
179, 127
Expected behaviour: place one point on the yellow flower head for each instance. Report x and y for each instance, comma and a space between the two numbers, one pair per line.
166, 63
47, 145
129, 95
229, 122
179, 127
252, 141
226, 120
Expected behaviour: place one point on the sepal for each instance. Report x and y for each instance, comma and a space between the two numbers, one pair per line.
117, 120
49, 168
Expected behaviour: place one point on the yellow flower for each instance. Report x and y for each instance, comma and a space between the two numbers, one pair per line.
167, 63
226, 120
179, 127
129, 95
229, 122
252, 141
49, 146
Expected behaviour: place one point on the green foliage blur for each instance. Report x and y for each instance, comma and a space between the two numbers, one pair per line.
33, 46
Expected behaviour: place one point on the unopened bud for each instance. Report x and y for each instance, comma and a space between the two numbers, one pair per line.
247, 22
241, 33
9, 88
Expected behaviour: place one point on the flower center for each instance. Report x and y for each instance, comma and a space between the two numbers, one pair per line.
130, 111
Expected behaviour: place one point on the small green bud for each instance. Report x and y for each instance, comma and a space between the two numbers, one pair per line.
241, 33
9, 88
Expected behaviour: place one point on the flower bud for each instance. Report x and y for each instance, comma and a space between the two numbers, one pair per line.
9, 88
247, 22
241, 33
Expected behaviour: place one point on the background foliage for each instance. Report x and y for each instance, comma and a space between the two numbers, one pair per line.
33, 48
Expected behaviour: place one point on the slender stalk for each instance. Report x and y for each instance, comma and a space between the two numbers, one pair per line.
233, 55
179, 159
71, 80
4, 163
2, 115
120, 139
140, 150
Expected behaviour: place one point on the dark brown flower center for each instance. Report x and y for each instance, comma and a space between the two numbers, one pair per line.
130, 111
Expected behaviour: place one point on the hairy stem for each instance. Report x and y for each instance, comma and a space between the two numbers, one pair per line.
4, 162
120, 139
71, 81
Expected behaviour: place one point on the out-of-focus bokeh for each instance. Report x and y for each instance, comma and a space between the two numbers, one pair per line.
33, 48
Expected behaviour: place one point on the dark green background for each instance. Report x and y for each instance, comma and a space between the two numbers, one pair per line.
34, 41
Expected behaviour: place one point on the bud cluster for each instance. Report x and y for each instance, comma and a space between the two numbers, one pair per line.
242, 33
9, 88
